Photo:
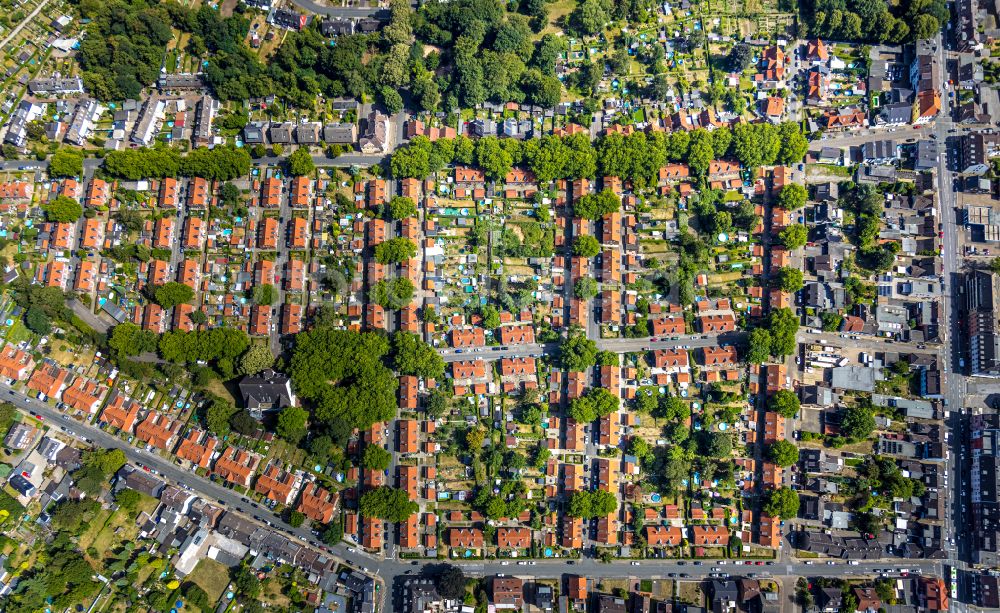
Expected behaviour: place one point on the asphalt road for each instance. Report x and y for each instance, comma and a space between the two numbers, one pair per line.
353, 12
618, 345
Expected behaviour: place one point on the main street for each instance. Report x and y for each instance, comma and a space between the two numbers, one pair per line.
616, 345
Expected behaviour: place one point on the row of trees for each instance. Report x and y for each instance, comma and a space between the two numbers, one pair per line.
218, 163
636, 157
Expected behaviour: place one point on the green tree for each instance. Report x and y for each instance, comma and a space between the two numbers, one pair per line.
586, 246
343, 375
783, 325
718, 444
258, 357
300, 163
376, 458
790, 279
393, 294
782, 502
296, 519
127, 499
37, 321
794, 236
412, 356
783, 453
585, 288
759, 343
66, 162
595, 206
577, 352
591, 504
244, 423
387, 503
792, 197
217, 417
785, 402
395, 250
402, 207
450, 582
588, 17
597, 402
246, 581
857, 423
491, 317
291, 424
172, 293
62, 209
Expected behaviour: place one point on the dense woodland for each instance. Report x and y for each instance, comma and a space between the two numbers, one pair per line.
875, 21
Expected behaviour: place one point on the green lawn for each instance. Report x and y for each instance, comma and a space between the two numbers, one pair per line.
212, 577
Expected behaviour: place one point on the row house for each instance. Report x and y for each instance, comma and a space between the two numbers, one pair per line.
236, 466
84, 395
278, 484
169, 193
86, 276
291, 318
98, 194
260, 320
194, 233
182, 318
53, 274
158, 431
163, 233
468, 337
301, 192
298, 233
92, 236
199, 195
270, 194
318, 504
517, 335
197, 447
188, 273
268, 232
49, 379
121, 412
15, 363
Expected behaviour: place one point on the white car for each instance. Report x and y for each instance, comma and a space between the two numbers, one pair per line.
635, 563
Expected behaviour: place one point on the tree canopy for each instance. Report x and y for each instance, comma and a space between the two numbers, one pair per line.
792, 196
595, 206
577, 352
172, 293
343, 377
794, 236
387, 503
300, 163
62, 209
395, 250
783, 453
597, 402
590, 504
782, 502
586, 246
785, 402
412, 356
66, 162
